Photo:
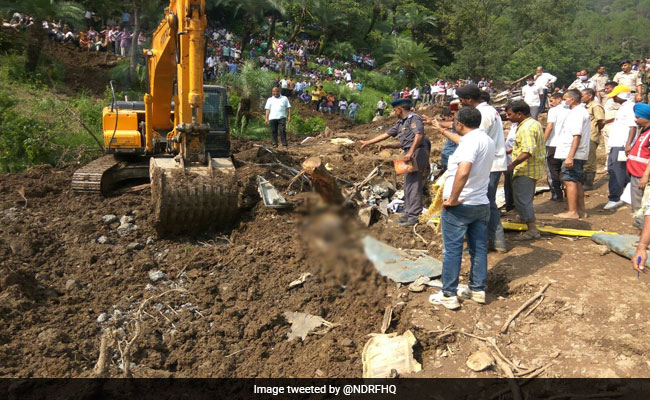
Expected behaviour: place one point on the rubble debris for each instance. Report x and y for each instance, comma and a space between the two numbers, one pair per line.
386, 352
307, 139
156, 275
270, 195
398, 265
103, 240
342, 141
303, 324
388, 317
419, 284
109, 219
322, 181
298, 282
366, 215
479, 361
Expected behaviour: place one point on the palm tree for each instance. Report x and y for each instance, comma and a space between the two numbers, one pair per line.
301, 10
341, 50
411, 57
415, 17
42, 10
252, 85
377, 8
328, 20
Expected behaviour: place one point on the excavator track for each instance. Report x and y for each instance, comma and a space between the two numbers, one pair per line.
102, 175
93, 177
192, 199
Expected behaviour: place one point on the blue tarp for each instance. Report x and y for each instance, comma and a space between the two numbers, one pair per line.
399, 265
624, 245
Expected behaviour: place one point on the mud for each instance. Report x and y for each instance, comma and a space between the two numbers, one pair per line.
216, 305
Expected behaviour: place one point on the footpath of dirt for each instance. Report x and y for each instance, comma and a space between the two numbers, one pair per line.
213, 305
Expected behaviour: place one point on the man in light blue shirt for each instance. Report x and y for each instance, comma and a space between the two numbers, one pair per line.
278, 113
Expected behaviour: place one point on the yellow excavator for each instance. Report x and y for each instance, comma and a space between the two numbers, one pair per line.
178, 136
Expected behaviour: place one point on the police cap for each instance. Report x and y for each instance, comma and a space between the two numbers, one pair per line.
401, 102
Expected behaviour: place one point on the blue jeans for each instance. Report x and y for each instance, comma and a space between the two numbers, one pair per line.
353, 115
495, 237
457, 222
447, 150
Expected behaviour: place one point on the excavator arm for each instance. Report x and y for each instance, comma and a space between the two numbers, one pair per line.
191, 190
177, 56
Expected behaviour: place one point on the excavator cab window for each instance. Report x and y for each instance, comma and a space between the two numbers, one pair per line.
213, 110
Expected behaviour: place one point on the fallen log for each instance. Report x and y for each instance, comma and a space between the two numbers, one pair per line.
322, 181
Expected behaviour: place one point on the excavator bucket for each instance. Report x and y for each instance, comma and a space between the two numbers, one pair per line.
192, 197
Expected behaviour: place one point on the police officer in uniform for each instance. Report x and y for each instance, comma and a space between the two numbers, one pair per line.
409, 130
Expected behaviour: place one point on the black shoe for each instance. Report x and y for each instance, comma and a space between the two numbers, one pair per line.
275, 145
408, 223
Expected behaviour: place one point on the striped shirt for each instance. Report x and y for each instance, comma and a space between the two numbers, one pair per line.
530, 139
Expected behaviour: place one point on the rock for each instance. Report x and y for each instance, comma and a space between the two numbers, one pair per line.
71, 285
156, 275
601, 249
117, 315
126, 219
480, 326
103, 317
12, 213
480, 360
135, 246
149, 241
377, 118
109, 219
125, 229
328, 132
149, 287
347, 343
103, 240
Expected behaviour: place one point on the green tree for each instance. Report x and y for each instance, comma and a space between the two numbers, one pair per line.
415, 17
412, 57
329, 20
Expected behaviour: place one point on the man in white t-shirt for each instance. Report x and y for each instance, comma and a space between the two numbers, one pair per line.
531, 94
554, 122
619, 143
278, 113
543, 80
573, 149
466, 210
491, 124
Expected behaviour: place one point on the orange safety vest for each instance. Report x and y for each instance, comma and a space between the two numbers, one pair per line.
639, 156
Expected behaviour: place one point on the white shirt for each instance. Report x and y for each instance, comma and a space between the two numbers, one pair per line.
381, 104
556, 116
582, 85
511, 139
620, 129
415, 93
284, 84
477, 148
576, 123
343, 105
531, 95
277, 107
544, 79
491, 124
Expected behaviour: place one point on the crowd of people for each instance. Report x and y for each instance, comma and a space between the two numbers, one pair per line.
477, 153
116, 37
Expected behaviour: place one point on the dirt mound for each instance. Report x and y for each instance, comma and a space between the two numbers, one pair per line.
77, 268
84, 70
